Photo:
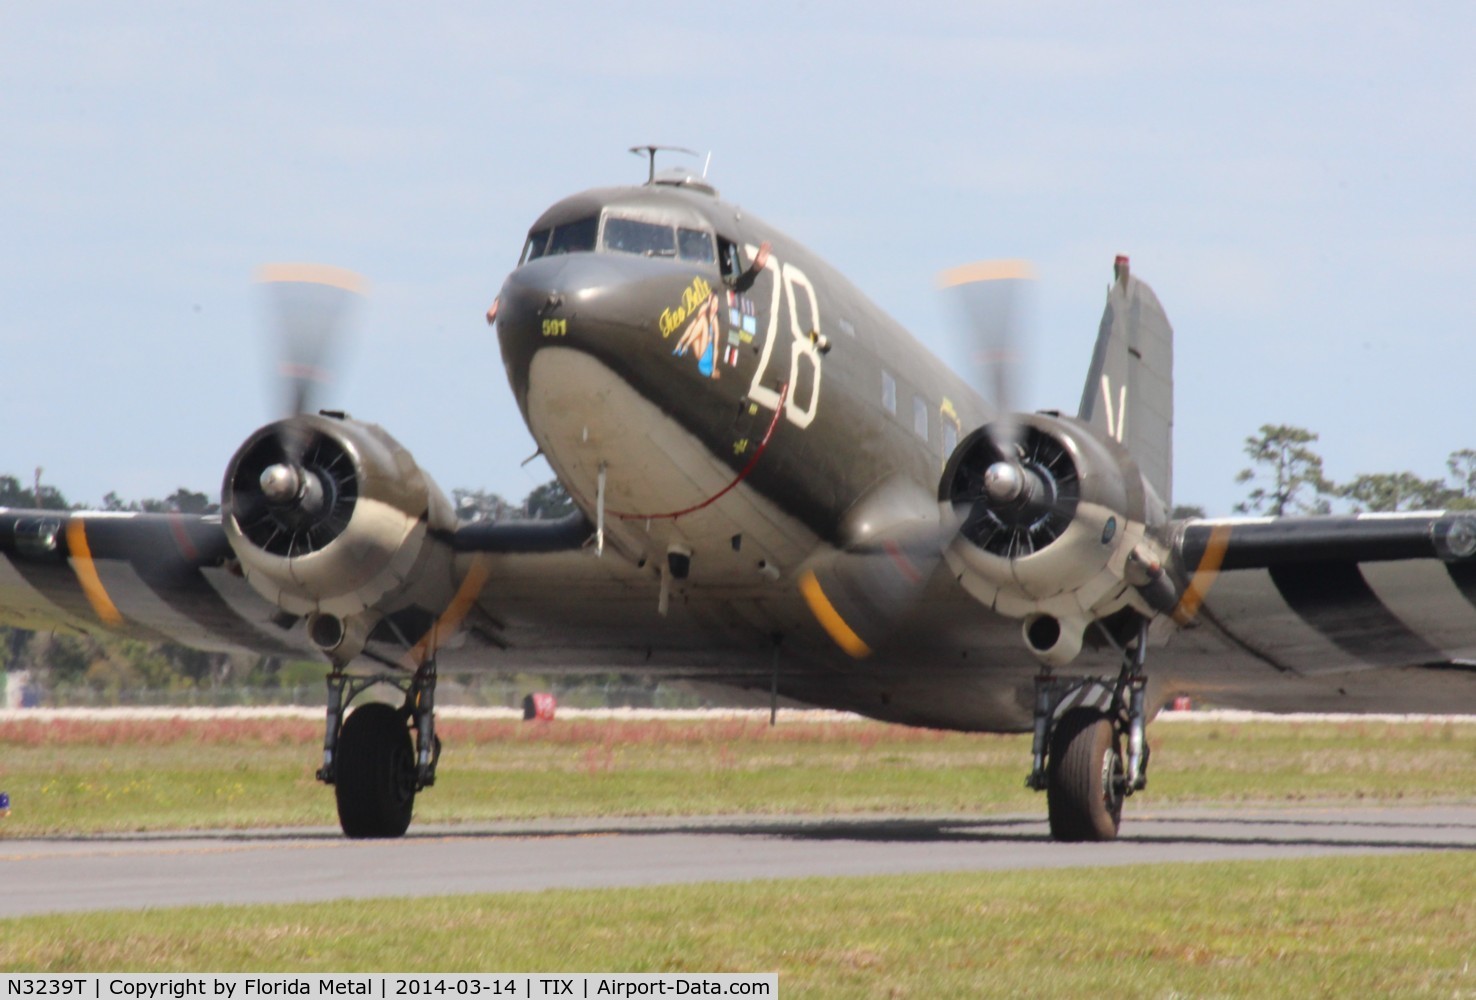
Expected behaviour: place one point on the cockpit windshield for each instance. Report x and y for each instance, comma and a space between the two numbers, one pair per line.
622, 234
570, 237
635, 236
653, 239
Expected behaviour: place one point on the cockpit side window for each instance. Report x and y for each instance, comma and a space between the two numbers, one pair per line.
695, 244
635, 236
536, 246
731, 260
569, 237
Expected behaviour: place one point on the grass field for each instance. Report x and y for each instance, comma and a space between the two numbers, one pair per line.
1359, 927
1371, 926
76, 776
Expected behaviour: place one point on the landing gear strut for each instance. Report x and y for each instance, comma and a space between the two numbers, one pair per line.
1080, 726
369, 757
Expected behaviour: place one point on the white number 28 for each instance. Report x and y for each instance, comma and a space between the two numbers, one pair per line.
789, 281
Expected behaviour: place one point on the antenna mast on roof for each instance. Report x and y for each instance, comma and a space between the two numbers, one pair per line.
651, 151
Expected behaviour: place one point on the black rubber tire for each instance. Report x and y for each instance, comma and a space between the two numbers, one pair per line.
374, 781
1085, 779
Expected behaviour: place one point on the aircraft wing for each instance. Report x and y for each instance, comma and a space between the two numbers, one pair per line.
1321, 595
1265, 542
174, 577
524, 537
527, 594
153, 577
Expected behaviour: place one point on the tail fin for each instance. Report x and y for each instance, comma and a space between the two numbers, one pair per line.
1129, 392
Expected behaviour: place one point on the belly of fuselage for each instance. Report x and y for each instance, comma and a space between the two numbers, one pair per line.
663, 488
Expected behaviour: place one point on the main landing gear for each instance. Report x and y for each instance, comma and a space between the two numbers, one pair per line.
369, 757
1080, 726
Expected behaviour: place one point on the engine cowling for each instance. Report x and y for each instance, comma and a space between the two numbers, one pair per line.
332, 519
1052, 529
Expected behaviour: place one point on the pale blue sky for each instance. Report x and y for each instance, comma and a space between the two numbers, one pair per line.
1296, 180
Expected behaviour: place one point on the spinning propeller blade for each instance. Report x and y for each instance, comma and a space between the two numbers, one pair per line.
311, 307
295, 488
993, 299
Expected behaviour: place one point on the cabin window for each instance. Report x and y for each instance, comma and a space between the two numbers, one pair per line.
695, 244
889, 392
634, 236
920, 416
950, 437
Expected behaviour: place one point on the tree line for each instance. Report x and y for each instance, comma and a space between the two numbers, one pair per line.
546, 501
1286, 477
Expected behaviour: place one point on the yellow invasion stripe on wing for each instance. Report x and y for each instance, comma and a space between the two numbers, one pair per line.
830, 619
92, 584
1204, 574
461, 604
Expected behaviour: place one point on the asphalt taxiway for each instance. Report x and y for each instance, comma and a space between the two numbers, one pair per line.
61, 874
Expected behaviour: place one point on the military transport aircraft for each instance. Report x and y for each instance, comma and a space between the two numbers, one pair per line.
778, 489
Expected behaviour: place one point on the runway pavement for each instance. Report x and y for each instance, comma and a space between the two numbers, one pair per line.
127, 872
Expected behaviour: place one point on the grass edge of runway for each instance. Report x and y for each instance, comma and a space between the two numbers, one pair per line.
81, 778
1386, 925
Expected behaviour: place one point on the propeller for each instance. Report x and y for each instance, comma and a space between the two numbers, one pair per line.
293, 504
1016, 489
1014, 504
311, 307
295, 488
994, 301
1013, 492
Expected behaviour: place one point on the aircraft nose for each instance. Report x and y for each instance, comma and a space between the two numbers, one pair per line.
540, 298
585, 301
530, 294
608, 305
522, 298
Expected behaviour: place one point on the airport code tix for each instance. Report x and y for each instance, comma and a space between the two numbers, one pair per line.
436, 986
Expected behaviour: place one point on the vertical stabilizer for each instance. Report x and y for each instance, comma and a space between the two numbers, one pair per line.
1129, 392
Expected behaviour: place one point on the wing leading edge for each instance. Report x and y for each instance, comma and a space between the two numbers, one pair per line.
1329, 594
1263, 543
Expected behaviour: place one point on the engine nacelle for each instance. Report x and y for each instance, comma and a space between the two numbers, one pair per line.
1052, 524
331, 518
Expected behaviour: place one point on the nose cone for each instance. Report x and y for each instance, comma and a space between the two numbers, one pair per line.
556, 301
606, 305
559, 287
